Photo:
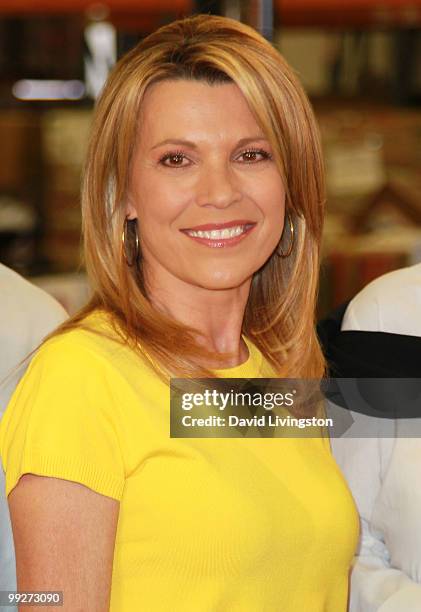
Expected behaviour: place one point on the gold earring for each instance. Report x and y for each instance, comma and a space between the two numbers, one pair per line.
131, 255
279, 252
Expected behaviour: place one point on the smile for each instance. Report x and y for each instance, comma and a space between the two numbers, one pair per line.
221, 237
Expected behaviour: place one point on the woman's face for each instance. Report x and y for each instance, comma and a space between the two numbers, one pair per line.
208, 197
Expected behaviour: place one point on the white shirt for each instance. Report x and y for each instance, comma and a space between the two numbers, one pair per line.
385, 474
27, 314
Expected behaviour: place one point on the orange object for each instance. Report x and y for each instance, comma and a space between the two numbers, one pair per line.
18, 7
345, 5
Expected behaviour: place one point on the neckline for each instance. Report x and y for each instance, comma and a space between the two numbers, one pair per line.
248, 369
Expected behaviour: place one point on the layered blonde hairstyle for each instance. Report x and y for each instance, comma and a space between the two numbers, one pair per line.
280, 311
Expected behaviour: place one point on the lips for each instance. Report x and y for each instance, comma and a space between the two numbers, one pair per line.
219, 226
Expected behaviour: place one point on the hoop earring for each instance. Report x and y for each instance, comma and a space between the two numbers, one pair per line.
279, 252
130, 255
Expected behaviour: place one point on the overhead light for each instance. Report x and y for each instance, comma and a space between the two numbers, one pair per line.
40, 89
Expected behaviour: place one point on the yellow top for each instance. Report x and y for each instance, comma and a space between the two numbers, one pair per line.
205, 525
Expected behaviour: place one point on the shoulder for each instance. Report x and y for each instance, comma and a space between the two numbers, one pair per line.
66, 417
27, 315
68, 382
89, 346
390, 303
92, 353
28, 297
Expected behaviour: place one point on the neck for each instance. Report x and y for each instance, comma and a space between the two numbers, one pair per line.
217, 314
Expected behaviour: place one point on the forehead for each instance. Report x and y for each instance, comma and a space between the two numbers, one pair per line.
183, 108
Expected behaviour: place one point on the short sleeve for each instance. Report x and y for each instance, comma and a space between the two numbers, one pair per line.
63, 420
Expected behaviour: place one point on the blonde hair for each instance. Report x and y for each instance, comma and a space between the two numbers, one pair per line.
279, 316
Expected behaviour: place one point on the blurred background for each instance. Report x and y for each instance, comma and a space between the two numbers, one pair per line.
359, 60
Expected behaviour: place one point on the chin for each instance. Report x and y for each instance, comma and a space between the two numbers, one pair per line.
221, 280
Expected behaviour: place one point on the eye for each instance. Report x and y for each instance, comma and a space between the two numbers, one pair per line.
175, 157
255, 155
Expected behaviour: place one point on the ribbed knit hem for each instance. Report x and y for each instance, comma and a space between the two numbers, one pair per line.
66, 468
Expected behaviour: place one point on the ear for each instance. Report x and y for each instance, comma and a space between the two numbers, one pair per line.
131, 212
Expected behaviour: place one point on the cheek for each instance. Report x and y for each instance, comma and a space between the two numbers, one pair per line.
269, 194
159, 207
273, 208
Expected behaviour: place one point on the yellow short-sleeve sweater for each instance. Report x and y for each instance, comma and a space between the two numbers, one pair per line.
205, 525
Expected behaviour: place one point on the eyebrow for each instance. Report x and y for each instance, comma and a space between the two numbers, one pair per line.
192, 145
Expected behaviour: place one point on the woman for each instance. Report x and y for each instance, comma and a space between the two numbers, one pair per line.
203, 147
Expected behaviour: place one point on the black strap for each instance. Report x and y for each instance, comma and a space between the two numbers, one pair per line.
368, 354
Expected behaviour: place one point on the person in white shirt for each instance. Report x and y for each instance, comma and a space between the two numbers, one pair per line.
384, 474
27, 314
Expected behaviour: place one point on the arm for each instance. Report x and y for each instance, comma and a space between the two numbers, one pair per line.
375, 585
64, 540
377, 474
387, 566
62, 447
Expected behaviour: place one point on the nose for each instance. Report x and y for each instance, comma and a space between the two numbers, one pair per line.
217, 186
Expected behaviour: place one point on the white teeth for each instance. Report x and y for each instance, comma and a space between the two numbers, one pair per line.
218, 234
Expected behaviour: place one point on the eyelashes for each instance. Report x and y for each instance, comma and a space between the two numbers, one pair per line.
172, 155
265, 155
180, 156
